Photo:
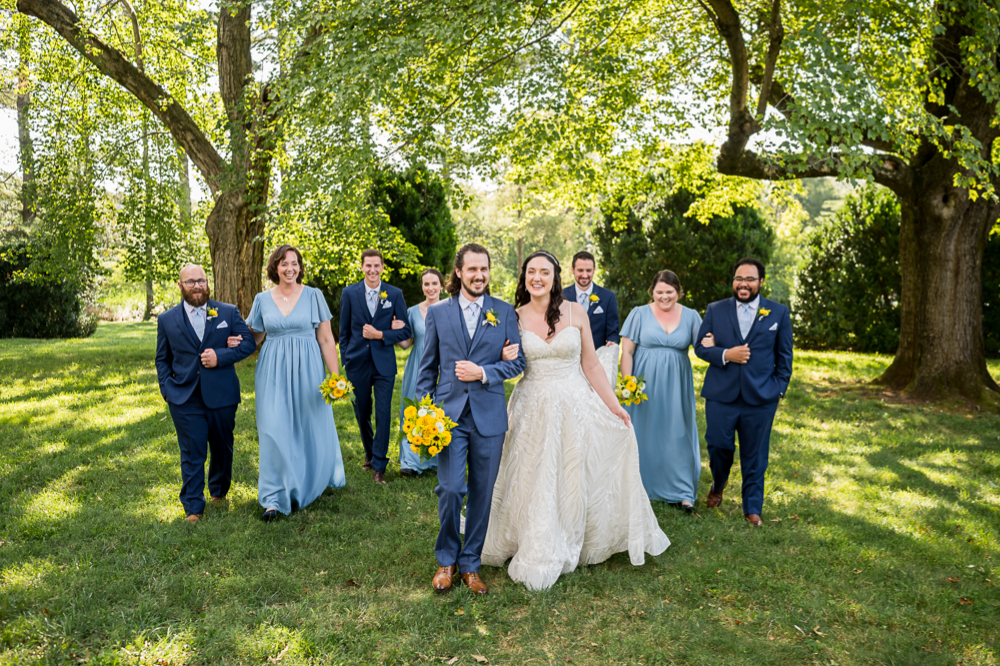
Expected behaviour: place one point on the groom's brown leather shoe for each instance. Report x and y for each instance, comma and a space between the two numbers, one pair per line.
713, 499
379, 478
366, 465
442, 579
474, 583
754, 520
193, 517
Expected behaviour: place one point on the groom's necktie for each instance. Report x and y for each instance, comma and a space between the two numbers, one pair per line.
472, 318
198, 322
372, 302
583, 299
746, 319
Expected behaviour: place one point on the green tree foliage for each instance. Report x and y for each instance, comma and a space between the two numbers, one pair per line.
664, 236
849, 285
416, 202
46, 306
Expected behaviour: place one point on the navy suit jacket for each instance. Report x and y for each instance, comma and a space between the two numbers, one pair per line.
446, 341
178, 355
603, 324
355, 350
764, 378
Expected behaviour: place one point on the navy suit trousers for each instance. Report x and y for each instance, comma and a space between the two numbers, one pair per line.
482, 454
726, 420
367, 381
198, 430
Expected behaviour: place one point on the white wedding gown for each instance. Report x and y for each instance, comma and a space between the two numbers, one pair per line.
568, 491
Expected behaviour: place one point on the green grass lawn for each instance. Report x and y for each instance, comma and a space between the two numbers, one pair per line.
881, 542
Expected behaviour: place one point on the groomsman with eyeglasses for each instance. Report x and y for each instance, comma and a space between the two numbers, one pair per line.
196, 371
600, 303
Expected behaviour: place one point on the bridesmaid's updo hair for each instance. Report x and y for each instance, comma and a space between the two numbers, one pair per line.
668, 278
277, 257
432, 271
521, 296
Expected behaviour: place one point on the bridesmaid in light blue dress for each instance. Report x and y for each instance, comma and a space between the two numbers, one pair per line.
432, 283
655, 341
299, 449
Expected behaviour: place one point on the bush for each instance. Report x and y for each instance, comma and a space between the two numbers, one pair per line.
39, 307
702, 255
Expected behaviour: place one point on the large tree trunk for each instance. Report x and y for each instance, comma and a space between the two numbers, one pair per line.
234, 229
942, 236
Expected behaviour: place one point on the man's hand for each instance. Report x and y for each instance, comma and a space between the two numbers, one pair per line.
397, 324
610, 344
467, 371
739, 354
209, 359
371, 333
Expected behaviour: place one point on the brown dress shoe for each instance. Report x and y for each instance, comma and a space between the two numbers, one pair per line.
218, 500
754, 520
442, 579
367, 464
379, 478
193, 517
713, 499
474, 583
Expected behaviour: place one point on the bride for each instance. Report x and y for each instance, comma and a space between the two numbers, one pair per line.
568, 490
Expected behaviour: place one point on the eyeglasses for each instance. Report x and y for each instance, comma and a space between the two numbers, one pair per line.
194, 283
740, 280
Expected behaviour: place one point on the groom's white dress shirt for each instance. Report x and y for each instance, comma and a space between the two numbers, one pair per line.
196, 315
583, 297
471, 310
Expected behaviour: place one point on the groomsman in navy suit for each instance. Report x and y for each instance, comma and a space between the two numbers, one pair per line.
463, 371
197, 376
600, 304
367, 310
750, 357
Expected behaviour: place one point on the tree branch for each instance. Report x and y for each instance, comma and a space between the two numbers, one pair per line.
112, 63
887, 170
742, 125
776, 33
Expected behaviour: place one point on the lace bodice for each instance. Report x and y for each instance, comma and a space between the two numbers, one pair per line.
556, 360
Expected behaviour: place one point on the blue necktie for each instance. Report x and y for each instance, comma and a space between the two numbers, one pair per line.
472, 318
198, 323
746, 319
372, 301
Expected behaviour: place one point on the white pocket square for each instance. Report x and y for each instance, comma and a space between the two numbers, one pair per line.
598, 310
387, 305
222, 324
774, 327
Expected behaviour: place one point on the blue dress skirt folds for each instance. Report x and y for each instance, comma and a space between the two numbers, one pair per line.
407, 458
665, 425
299, 448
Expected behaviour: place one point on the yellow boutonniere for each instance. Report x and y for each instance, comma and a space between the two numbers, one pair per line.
594, 298
763, 312
384, 295
491, 318
212, 312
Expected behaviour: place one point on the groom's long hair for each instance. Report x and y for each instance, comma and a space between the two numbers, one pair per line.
521, 296
455, 284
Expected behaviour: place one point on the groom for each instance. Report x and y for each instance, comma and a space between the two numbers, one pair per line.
750, 367
600, 303
463, 372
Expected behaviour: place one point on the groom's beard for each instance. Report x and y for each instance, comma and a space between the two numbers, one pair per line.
196, 296
746, 299
476, 290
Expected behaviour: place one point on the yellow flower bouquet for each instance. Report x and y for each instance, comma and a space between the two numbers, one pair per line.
631, 390
425, 427
335, 388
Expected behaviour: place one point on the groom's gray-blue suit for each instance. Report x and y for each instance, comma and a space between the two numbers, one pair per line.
480, 410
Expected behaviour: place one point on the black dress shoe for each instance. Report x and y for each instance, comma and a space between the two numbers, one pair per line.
269, 515
406, 471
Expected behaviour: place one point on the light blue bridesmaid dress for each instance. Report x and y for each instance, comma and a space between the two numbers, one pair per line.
299, 448
665, 426
407, 458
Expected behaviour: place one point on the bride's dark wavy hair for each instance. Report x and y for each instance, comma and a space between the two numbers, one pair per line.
521, 296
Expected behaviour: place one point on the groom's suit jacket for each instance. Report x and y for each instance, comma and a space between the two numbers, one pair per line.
446, 341
603, 314
355, 349
764, 378
178, 355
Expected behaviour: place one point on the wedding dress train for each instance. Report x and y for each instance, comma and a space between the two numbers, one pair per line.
568, 490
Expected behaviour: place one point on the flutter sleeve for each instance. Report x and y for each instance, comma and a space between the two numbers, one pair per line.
255, 320
695, 326
633, 324
319, 310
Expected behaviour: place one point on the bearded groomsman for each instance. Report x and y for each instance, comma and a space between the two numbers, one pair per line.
747, 341
367, 311
600, 303
197, 377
